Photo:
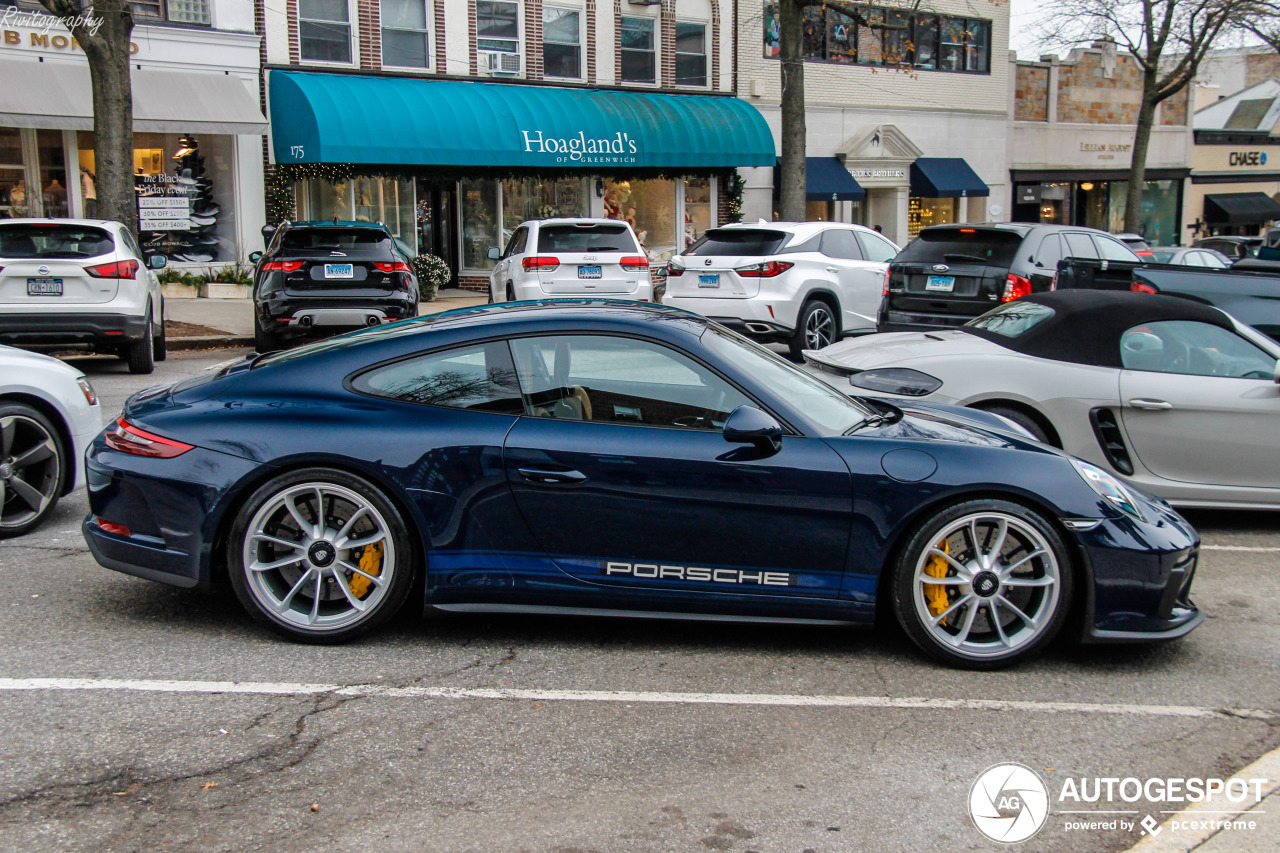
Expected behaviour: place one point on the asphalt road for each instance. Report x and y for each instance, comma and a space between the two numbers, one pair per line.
622, 766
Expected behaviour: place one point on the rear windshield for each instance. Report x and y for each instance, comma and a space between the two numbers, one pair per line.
1012, 319
54, 241
1163, 256
738, 241
594, 237
358, 239
955, 245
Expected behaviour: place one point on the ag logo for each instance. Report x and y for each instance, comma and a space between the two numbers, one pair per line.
1008, 803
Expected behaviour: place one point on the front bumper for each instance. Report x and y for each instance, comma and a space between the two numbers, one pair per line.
71, 328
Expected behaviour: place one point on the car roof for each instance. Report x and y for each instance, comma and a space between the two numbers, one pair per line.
96, 223
1087, 324
573, 220
330, 223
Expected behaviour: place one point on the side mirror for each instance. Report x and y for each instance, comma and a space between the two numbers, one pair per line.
156, 262
494, 253
660, 271
254, 257
749, 425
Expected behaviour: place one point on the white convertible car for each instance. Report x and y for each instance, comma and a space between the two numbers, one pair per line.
1175, 396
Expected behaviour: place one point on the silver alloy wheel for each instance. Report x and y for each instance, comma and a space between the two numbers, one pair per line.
1002, 585
819, 327
302, 557
30, 470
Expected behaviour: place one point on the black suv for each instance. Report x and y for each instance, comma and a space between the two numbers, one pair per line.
317, 278
950, 274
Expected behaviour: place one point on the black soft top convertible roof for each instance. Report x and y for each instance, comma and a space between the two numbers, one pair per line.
1087, 324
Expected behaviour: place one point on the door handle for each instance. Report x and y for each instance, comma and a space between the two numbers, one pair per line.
544, 475
833, 269
1150, 405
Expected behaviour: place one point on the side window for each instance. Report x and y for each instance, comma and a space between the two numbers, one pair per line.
876, 248
841, 244
516, 244
1114, 250
1195, 259
478, 378
1080, 246
1211, 260
130, 244
1050, 252
622, 381
1193, 349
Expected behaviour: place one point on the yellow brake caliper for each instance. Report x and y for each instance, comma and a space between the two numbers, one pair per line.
370, 564
935, 595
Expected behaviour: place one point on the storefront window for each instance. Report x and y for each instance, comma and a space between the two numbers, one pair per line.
697, 209
385, 200
819, 211
52, 158
13, 175
650, 207
479, 201
923, 212
534, 198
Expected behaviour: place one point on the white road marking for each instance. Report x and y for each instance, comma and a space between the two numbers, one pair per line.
1246, 548
624, 696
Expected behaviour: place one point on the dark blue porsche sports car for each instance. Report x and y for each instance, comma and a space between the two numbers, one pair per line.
622, 458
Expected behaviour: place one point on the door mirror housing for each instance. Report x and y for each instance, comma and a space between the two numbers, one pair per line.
749, 425
156, 262
254, 257
494, 253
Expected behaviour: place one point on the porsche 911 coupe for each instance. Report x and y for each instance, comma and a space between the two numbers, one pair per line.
1172, 395
595, 457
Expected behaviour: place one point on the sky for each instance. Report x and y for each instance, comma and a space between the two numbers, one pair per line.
1021, 26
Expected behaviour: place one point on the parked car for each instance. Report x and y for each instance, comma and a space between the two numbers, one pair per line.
48, 415
80, 282
1188, 256
950, 274
547, 258
805, 284
1174, 396
318, 278
1137, 242
597, 457
1235, 248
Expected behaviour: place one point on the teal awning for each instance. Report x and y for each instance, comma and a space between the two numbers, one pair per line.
349, 118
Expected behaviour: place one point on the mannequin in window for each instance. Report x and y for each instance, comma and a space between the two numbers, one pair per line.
18, 199
55, 199
89, 193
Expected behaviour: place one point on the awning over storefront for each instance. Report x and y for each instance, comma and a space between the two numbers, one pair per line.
826, 179
1240, 208
349, 118
945, 177
57, 95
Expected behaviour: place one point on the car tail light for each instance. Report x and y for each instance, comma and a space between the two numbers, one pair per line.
282, 266
1146, 254
87, 389
391, 266
540, 262
768, 269
634, 263
1139, 287
1015, 287
115, 269
968, 230
885, 290
112, 527
127, 438
674, 269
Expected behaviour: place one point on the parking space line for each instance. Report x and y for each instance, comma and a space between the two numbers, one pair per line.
1247, 548
626, 697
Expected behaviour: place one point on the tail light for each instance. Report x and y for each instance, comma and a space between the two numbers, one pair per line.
1146, 255
885, 290
112, 527
1015, 287
674, 269
115, 269
282, 266
391, 266
127, 438
768, 269
540, 262
1139, 287
634, 263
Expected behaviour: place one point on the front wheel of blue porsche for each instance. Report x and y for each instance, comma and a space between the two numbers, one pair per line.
983, 584
320, 556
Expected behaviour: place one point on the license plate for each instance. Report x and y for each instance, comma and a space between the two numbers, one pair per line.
709, 280
44, 287
339, 271
944, 283
590, 272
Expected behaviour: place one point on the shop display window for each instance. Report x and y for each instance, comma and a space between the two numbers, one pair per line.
697, 209
923, 212
386, 200
13, 175
478, 199
533, 198
650, 207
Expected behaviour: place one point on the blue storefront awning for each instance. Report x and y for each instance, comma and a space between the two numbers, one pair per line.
945, 177
826, 179
349, 118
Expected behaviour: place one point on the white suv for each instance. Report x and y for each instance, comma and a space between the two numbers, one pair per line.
80, 281
547, 258
802, 283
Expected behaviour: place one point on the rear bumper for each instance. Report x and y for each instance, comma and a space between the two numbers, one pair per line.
291, 314
758, 330
61, 328
915, 321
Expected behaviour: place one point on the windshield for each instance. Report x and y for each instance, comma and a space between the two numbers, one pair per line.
958, 245
306, 239
825, 406
41, 240
738, 242
1012, 319
585, 238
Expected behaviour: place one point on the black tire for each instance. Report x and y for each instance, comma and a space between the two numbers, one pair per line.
24, 479
160, 350
1023, 420
331, 617
1039, 589
815, 312
141, 354
264, 340
511, 292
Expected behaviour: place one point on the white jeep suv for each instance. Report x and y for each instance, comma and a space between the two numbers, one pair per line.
548, 258
803, 283
80, 281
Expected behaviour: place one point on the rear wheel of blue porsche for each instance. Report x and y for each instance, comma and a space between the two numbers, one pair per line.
320, 556
983, 584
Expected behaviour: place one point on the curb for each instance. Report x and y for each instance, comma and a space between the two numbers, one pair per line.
207, 342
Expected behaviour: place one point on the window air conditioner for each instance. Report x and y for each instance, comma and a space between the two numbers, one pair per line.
500, 64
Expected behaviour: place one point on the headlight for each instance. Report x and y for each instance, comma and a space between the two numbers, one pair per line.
902, 381
1110, 487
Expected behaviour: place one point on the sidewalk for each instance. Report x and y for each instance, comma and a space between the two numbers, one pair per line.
231, 320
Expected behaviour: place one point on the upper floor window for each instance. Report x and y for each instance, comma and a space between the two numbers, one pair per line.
691, 54
324, 31
639, 57
175, 11
561, 42
405, 40
498, 26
